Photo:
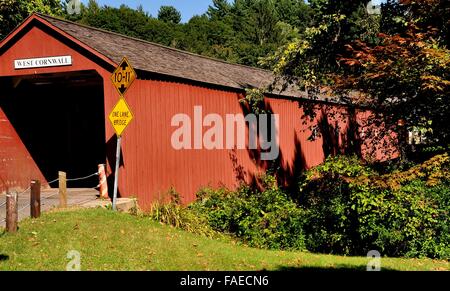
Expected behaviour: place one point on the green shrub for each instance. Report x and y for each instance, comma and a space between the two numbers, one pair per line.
350, 209
330, 221
264, 219
439, 246
173, 213
344, 207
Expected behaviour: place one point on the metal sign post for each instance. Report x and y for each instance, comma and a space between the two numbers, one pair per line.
121, 115
116, 175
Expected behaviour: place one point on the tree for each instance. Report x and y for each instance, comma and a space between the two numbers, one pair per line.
13, 12
406, 75
209, 38
219, 10
295, 13
256, 29
132, 22
424, 14
169, 14
400, 70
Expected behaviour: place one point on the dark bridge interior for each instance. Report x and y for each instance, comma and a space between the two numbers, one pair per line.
60, 119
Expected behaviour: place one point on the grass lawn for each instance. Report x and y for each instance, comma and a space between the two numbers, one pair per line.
113, 241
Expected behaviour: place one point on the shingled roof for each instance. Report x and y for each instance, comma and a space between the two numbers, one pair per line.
155, 58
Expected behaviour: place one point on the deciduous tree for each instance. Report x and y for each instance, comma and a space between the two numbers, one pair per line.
13, 12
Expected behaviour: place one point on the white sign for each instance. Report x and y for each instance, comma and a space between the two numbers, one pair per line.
43, 62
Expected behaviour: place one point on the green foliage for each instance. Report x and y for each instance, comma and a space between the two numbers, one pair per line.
304, 59
254, 99
169, 14
296, 13
350, 209
131, 22
309, 60
255, 28
329, 218
265, 219
13, 12
209, 38
340, 165
344, 207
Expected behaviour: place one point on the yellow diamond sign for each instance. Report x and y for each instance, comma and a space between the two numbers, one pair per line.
123, 77
121, 116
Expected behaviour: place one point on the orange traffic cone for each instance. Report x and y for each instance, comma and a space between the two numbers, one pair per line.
103, 183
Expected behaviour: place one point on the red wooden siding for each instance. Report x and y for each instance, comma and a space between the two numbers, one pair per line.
152, 166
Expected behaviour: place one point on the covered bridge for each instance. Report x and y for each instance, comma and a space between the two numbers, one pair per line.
54, 115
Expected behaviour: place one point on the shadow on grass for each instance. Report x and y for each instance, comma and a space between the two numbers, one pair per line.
336, 268
3, 257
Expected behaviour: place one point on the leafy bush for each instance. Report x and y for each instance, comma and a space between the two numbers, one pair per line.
350, 209
173, 213
330, 221
344, 207
439, 245
265, 219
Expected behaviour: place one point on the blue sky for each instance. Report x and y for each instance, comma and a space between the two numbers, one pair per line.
188, 8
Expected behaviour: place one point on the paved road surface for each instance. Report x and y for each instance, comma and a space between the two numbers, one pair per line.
49, 199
